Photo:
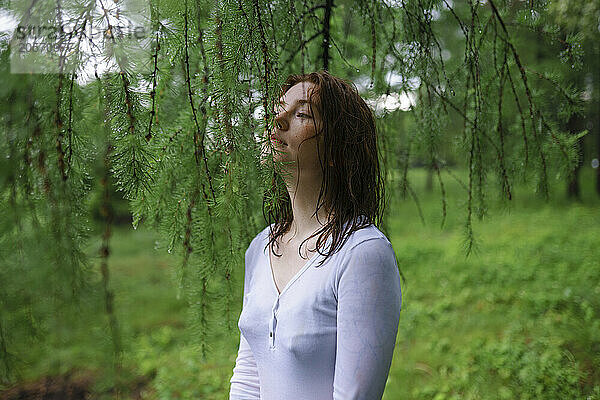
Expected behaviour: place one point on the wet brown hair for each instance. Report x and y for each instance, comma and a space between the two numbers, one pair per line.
353, 186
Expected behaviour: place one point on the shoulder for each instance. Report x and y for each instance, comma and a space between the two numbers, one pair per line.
367, 263
253, 253
366, 240
258, 243
367, 248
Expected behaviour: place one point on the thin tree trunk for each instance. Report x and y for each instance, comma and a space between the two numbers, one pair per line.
598, 155
429, 181
573, 188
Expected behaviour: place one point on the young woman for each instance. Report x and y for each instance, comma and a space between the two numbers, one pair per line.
322, 297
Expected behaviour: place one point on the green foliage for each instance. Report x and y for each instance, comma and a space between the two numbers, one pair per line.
517, 320
181, 142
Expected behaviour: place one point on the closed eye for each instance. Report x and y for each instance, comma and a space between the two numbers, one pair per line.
303, 115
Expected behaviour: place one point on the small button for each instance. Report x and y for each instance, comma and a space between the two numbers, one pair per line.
270, 334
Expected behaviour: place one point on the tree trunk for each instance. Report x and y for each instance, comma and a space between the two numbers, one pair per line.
598, 156
573, 188
429, 181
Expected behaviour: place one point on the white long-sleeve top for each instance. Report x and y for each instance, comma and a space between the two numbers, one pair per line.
331, 332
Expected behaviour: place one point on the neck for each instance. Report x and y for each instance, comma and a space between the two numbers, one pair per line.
303, 188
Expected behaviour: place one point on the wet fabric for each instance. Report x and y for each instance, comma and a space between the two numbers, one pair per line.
329, 334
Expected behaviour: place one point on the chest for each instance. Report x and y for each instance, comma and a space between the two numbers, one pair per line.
298, 316
286, 266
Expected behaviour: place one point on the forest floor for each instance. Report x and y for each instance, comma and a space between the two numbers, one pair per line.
519, 318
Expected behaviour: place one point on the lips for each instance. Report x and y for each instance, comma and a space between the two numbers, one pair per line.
276, 140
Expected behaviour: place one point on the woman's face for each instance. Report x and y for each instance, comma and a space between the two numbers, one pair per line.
296, 125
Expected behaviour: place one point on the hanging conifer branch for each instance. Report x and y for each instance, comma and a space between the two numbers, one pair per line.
211, 120
27, 184
544, 176
130, 158
416, 200
202, 316
153, 91
85, 15
41, 159
326, 33
199, 150
124, 79
462, 26
57, 112
203, 134
273, 36
155, 18
229, 140
70, 122
187, 240
245, 15
204, 82
107, 216
59, 128
302, 46
405, 163
373, 41
499, 127
521, 115
299, 22
436, 167
129, 104
469, 224
267, 65
308, 12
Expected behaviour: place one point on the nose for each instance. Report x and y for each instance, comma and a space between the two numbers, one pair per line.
280, 121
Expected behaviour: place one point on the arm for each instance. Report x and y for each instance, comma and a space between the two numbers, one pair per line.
245, 384
369, 301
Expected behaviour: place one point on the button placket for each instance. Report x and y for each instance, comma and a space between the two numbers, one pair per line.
273, 324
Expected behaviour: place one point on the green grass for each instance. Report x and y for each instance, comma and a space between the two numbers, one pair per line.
517, 319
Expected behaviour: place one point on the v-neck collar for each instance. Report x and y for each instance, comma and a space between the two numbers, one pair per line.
308, 263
